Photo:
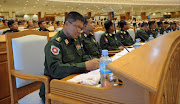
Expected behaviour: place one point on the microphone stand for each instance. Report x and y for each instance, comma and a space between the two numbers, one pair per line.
115, 33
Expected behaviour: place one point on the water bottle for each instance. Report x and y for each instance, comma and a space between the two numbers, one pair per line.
106, 75
137, 44
158, 34
151, 37
164, 33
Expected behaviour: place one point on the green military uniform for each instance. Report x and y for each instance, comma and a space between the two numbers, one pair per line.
90, 45
109, 41
160, 29
152, 32
63, 57
124, 38
10, 31
142, 35
43, 30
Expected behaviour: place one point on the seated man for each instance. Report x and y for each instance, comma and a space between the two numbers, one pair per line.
90, 45
5, 23
166, 24
42, 26
152, 30
13, 27
64, 54
30, 24
108, 40
160, 27
172, 26
122, 35
142, 32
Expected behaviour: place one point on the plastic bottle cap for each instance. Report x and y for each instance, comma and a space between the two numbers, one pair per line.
137, 40
105, 52
151, 35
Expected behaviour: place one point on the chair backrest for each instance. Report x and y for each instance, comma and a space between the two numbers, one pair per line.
98, 35
59, 29
131, 33
2, 29
26, 53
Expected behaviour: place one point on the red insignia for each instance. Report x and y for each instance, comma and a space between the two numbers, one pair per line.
122, 36
106, 39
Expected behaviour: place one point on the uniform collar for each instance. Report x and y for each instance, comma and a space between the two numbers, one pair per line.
67, 41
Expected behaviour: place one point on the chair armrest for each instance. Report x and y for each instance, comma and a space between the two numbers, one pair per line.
24, 76
41, 78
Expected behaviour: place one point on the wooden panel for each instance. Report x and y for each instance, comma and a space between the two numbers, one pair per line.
3, 56
2, 46
4, 80
6, 100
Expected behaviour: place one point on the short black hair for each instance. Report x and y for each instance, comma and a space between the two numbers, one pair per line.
4, 20
10, 23
144, 24
40, 22
122, 23
166, 23
74, 16
108, 24
159, 23
85, 19
57, 22
172, 23
151, 23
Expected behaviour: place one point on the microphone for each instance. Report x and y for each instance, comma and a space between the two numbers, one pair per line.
115, 33
142, 38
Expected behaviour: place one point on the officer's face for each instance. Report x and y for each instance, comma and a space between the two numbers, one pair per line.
74, 29
90, 26
5, 23
30, 23
126, 26
112, 28
43, 25
14, 26
153, 26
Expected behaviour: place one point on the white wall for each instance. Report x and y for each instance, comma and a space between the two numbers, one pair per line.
6, 16
59, 18
31, 17
137, 17
156, 15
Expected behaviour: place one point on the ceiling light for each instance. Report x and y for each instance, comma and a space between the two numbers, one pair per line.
27, 1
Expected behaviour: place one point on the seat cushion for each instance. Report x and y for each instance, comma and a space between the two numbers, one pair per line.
32, 98
28, 54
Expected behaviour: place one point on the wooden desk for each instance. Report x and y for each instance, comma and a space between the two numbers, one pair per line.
150, 75
4, 76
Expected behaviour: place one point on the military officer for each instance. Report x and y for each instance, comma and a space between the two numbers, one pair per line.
152, 30
142, 32
122, 35
90, 45
30, 24
166, 24
64, 53
13, 27
160, 28
108, 40
42, 26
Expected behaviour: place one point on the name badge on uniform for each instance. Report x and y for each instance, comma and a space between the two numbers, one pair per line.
122, 36
85, 35
106, 39
78, 47
55, 50
94, 41
66, 41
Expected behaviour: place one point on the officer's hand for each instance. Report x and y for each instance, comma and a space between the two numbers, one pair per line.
92, 64
121, 48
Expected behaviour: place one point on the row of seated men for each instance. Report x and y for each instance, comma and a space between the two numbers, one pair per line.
74, 49
31, 23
